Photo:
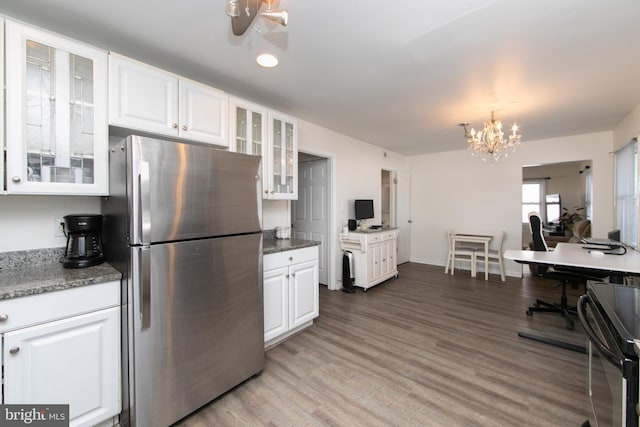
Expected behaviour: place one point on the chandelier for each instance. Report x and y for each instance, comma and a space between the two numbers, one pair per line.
490, 143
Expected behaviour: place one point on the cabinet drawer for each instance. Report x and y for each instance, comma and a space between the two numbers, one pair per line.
287, 258
36, 309
388, 235
375, 238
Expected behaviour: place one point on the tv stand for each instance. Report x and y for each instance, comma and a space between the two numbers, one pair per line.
374, 255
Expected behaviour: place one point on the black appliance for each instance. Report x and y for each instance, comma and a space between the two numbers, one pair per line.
84, 241
348, 273
352, 224
610, 315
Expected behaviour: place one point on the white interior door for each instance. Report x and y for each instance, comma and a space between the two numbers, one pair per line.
310, 213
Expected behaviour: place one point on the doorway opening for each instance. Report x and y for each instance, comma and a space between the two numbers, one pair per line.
388, 198
554, 190
311, 214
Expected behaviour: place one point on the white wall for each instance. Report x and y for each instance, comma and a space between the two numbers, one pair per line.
454, 190
357, 170
27, 222
627, 129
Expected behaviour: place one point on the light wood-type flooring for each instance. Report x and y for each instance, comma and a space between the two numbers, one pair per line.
426, 349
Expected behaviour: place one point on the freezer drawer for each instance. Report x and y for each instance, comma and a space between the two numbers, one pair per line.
197, 318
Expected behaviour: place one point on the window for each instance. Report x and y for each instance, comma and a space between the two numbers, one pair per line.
627, 193
532, 191
588, 178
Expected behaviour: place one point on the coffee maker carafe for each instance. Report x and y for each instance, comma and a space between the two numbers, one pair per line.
84, 241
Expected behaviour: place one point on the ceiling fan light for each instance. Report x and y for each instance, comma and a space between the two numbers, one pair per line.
279, 16
267, 60
232, 8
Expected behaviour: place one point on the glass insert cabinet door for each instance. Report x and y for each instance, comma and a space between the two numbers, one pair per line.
57, 132
283, 157
249, 127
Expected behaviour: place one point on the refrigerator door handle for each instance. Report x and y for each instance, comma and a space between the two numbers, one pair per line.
144, 203
144, 274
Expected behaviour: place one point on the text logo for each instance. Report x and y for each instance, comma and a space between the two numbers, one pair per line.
34, 415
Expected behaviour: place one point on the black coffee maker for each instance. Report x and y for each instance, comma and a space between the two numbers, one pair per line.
84, 241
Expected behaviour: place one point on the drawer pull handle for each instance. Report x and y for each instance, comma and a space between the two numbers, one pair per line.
4, 317
14, 350
290, 258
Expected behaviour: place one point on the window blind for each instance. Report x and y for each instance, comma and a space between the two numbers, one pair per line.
626, 188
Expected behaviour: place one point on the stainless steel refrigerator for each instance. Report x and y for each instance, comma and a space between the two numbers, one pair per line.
183, 224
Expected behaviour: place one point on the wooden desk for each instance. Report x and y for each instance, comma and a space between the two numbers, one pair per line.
476, 239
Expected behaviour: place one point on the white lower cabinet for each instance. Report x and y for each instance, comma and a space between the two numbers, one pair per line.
290, 289
73, 358
374, 255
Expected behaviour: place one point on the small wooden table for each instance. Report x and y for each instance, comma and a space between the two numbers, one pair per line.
477, 239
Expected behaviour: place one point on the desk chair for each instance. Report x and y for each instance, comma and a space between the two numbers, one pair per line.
459, 253
495, 256
568, 276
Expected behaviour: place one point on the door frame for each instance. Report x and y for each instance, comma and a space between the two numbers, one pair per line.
393, 204
332, 238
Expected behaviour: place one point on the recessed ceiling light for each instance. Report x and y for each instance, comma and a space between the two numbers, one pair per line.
267, 60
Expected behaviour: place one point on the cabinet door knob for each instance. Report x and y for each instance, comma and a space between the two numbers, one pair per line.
287, 276
14, 350
266, 191
4, 317
16, 179
184, 127
293, 274
290, 258
175, 125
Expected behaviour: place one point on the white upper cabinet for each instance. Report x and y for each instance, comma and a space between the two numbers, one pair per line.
281, 181
56, 128
248, 127
145, 98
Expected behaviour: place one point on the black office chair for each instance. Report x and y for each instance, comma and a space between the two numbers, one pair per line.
566, 276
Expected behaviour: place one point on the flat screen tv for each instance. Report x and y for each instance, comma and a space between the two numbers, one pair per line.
364, 209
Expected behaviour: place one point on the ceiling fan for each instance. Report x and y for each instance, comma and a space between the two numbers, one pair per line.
243, 12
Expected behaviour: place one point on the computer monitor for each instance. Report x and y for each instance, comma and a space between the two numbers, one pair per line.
614, 235
364, 209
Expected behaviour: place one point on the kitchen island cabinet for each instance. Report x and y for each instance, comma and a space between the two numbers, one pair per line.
374, 255
290, 288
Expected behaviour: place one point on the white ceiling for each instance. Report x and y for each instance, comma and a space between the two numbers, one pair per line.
399, 74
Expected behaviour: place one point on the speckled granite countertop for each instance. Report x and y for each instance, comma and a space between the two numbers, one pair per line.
272, 246
25, 273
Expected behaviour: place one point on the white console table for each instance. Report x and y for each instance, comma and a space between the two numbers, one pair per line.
374, 255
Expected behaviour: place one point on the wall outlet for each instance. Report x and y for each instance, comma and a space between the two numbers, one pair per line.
58, 227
